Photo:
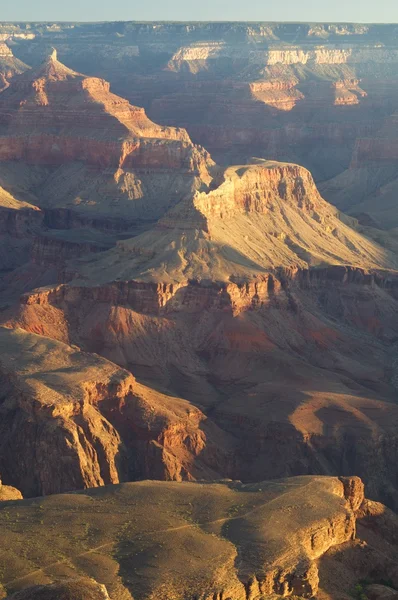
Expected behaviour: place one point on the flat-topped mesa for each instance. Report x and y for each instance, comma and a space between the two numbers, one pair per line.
261, 217
52, 115
272, 544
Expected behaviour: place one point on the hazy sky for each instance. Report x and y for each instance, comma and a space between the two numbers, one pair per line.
384, 11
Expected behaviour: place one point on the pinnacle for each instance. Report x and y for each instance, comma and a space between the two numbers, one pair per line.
53, 54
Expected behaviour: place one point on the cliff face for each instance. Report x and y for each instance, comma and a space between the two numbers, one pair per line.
9, 65
257, 218
298, 366
71, 420
368, 188
76, 145
299, 93
219, 305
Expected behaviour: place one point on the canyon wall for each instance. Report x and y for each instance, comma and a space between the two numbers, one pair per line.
298, 92
265, 369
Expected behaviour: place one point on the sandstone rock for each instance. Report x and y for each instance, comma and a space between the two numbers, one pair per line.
9, 493
71, 420
256, 539
278, 368
93, 151
259, 218
354, 491
303, 95
9, 65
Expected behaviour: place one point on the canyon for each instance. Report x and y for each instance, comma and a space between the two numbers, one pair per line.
293, 92
198, 311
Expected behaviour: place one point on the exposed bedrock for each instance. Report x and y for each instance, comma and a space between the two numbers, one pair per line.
281, 537
293, 92
276, 375
71, 420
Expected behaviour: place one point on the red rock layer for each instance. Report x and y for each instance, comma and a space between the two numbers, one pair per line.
53, 115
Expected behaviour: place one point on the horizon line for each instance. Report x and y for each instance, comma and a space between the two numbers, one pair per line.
182, 21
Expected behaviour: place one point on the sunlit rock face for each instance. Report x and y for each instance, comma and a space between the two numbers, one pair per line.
295, 92
67, 142
168, 318
287, 538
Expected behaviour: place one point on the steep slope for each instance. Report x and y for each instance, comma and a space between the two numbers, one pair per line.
69, 140
297, 92
368, 189
9, 65
239, 300
71, 420
19, 221
261, 217
298, 366
257, 319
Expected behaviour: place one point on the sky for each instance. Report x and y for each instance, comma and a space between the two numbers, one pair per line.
365, 11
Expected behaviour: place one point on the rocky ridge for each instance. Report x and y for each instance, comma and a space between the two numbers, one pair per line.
250, 86
260, 217
90, 150
72, 420
278, 367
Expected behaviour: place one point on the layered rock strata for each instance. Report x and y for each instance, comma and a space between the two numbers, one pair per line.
78, 146
298, 92
71, 420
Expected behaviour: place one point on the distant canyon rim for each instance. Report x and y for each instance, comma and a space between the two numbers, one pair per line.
199, 297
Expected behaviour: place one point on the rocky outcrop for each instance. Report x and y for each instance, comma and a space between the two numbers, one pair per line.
9, 65
369, 186
9, 493
302, 93
19, 223
80, 147
267, 369
245, 540
256, 219
71, 420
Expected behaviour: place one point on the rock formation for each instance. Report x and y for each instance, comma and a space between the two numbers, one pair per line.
259, 218
239, 540
298, 92
224, 296
71, 420
9, 65
78, 589
299, 366
78, 146
368, 188
9, 493
166, 318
